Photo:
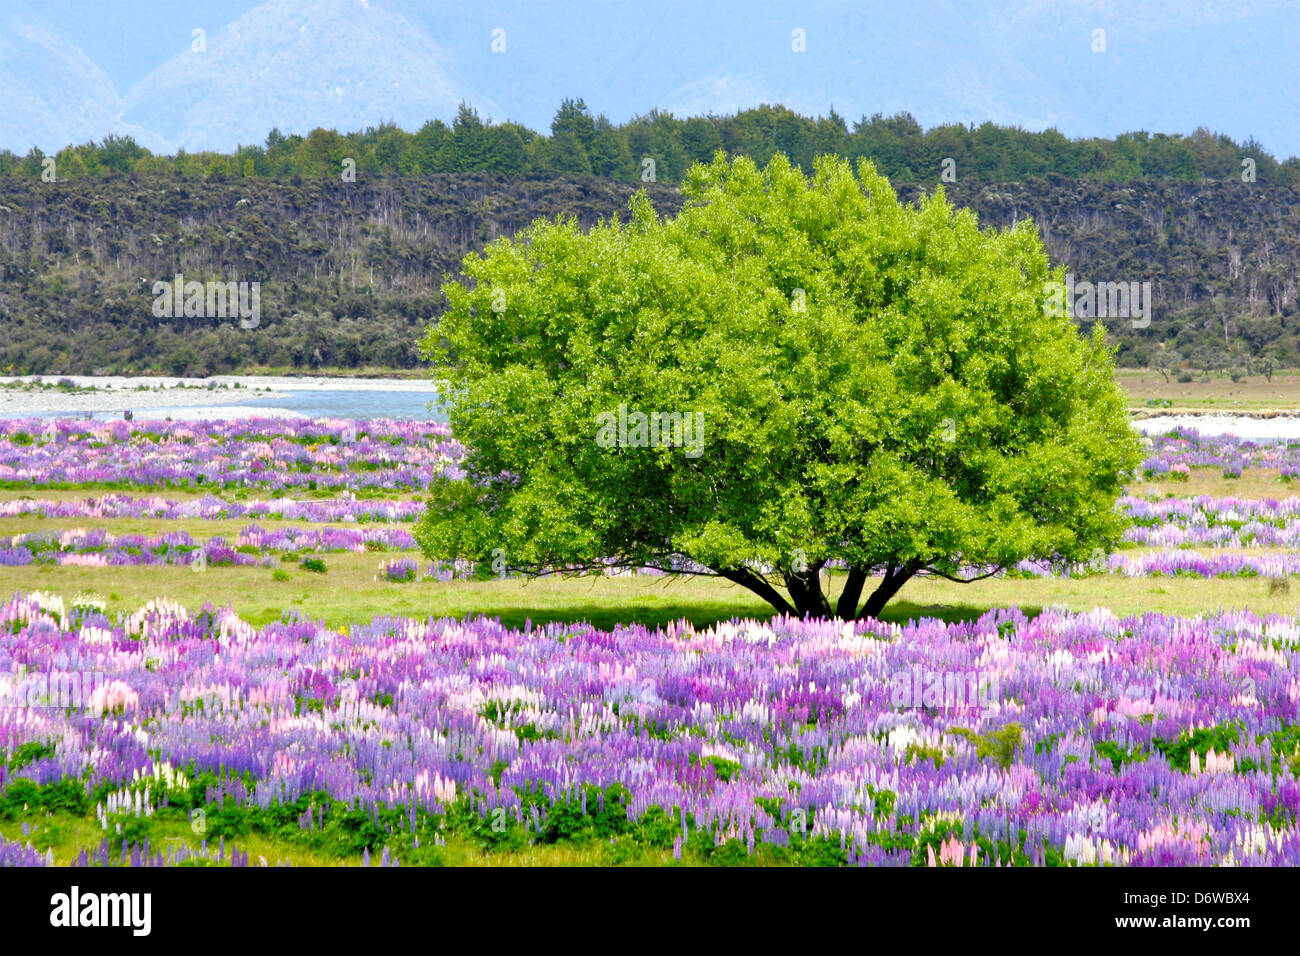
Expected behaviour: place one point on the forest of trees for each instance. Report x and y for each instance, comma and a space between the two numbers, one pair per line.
349, 274
1223, 259
661, 144
350, 267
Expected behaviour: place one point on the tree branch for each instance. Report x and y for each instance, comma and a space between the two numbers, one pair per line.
949, 577
748, 578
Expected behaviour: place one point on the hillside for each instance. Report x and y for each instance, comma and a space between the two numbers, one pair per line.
349, 272
1223, 257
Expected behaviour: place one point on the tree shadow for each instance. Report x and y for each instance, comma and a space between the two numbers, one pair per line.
706, 614
701, 614
903, 612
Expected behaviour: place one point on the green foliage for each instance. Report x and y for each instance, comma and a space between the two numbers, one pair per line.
1219, 737
316, 565
1117, 755
919, 752
605, 814
29, 753
22, 796
1000, 744
726, 770
873, 382
897, 144
594, 817
1285, 747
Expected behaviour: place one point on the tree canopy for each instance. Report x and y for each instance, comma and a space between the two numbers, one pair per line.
872, 386
898, 145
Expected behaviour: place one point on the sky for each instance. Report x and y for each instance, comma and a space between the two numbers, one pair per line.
210, 74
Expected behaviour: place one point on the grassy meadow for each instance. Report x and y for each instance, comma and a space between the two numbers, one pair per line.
1145, 388
350, 593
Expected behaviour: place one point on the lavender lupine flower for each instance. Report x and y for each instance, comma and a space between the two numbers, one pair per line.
13, 853
1180, 562
274, 453
1221, 522
1178, 451
775, 732
98, 547
119, 505
399, 570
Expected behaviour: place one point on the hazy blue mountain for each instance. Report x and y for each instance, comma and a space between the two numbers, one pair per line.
297, 65
53, 93
1167, 67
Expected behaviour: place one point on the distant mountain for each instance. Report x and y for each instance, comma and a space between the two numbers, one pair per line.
1225, 64
345, 64
53, 94
296, 65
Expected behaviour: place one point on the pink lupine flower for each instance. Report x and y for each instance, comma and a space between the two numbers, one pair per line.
1219, 763
84, 560
952, 852
113, 697
401, 712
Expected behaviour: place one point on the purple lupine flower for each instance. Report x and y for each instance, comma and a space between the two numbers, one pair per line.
744, 716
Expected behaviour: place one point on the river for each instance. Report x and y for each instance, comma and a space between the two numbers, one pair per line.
339, 397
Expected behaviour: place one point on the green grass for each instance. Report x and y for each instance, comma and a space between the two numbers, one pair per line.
1219, 394
66, 835
1256, 483
348, 594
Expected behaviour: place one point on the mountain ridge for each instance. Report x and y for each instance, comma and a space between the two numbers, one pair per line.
1225, 64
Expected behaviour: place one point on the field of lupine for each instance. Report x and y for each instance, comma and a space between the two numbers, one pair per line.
162, 734
1069, 738
279, 455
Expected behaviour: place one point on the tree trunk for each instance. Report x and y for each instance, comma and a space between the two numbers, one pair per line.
847, 608
894, 579
806, 589
806, 592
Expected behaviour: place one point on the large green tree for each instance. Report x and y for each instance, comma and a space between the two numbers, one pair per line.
870, 386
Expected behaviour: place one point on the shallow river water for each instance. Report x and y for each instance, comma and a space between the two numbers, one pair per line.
336, 397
